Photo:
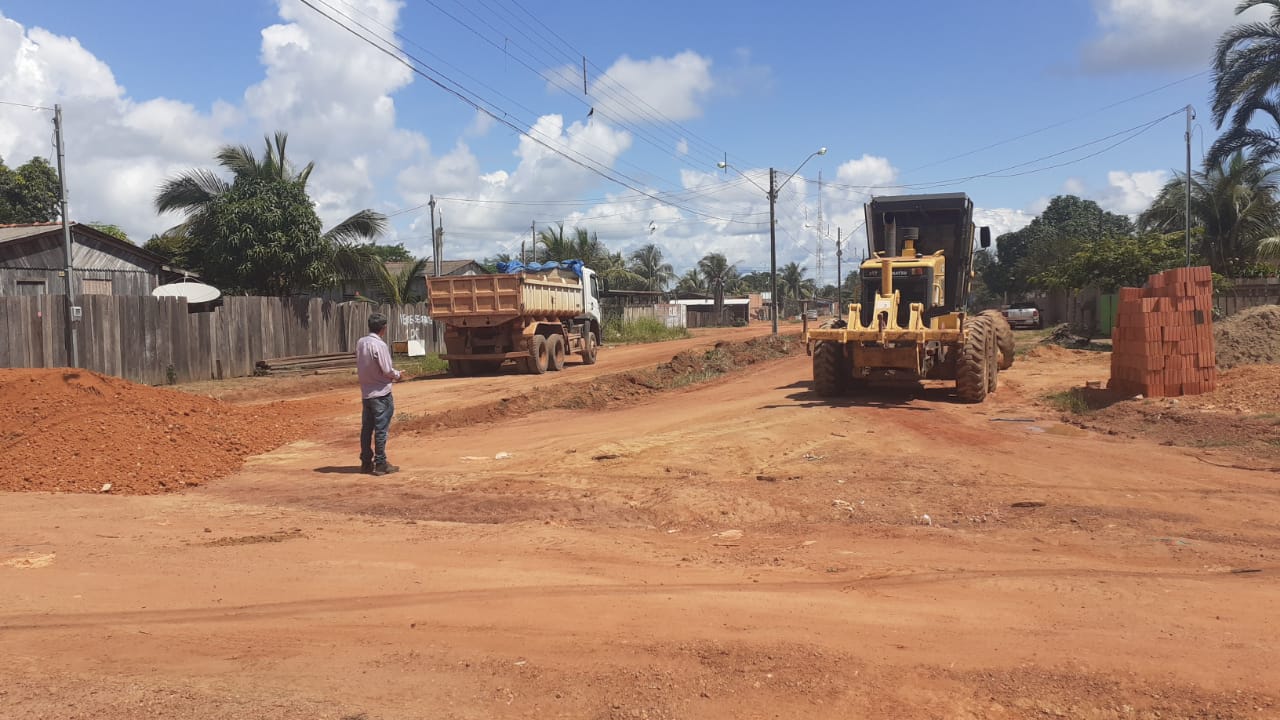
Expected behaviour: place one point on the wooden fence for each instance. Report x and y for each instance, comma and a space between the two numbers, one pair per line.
156, 341
1246, 294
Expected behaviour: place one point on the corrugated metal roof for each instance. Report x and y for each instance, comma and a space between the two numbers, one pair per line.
18, 232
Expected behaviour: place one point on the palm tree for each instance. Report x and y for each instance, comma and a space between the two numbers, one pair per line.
1246, 78
397, 287
719, 274
194, 193
1234, 204
647, 262
577, 245
792, 284
613, 270
691, 282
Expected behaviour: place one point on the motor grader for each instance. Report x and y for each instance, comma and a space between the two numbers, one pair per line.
909, 323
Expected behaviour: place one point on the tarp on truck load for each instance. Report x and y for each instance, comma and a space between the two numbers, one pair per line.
515, 266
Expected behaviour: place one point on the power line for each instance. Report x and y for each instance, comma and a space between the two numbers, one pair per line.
1067, 121
553, 79
466, 96
531, 114
687, 133
24, 105
1125, 135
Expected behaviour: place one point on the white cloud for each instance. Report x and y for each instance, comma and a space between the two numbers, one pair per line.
1130, 193
1002, 220
632, 90
682, 147
118, 149
332, 93
1159, 33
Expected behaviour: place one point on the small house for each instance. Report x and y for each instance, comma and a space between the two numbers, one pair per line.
33, 262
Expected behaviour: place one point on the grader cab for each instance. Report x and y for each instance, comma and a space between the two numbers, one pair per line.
910, 322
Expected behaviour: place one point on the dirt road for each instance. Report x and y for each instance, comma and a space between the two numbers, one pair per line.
734, 549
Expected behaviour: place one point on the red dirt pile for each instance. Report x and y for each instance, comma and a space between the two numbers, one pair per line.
66, 430
1250, 337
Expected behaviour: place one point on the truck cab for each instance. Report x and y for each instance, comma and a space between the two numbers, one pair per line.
591, 298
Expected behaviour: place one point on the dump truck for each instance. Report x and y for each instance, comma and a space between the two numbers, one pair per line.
910, 323
533, 318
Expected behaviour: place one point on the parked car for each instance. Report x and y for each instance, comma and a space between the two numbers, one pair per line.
1024, 315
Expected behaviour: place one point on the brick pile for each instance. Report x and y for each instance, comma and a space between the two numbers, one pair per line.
1162, 343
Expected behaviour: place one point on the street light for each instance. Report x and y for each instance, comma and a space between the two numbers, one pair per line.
772, 193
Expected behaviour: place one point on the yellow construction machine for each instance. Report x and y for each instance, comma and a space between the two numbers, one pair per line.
909, 323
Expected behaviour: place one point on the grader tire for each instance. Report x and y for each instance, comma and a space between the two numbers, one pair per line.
827, 368
1004, 336
974, 363
993, 359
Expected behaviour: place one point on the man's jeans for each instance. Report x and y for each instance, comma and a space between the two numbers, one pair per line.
374, 422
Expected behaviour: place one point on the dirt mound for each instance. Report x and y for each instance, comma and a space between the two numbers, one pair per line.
69, 430
686, 368
1250, 337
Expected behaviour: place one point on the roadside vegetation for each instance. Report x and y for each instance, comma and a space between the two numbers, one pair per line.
644, 330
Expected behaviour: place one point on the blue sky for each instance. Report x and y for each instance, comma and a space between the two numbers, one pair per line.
894, 92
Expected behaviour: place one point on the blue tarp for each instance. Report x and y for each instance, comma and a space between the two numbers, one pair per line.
516, 266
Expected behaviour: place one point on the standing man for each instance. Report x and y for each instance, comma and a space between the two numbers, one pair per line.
373, 365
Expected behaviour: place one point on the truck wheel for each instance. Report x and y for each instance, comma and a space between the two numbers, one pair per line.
589, 349
1004, 336
536, 363
555, 353
974, 361
828, 366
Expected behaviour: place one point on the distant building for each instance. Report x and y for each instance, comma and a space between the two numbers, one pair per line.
32, 261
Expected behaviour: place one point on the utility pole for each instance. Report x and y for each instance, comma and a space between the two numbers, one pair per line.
73, 349
821, 264
1191, 115
773, 251
437, 249
533, 240
839, 277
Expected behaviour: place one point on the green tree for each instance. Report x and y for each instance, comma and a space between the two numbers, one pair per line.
1233, 202
172, 245
614, 271
1050, 239
719, 275
260, 232
1246, 78
578, 244
692, 281
491, 263
756, 281
1108, 263
792, 286
114, 231
648, 263
28, 193
397, 288
391, 253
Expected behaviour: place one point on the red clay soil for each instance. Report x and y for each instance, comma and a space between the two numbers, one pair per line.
65, 430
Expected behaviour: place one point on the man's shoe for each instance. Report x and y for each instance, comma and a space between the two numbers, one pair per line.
366, 467
385, 469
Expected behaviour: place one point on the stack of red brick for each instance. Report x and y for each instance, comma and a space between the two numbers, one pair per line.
1162, 344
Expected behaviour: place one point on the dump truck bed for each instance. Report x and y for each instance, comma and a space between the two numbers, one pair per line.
494, 299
